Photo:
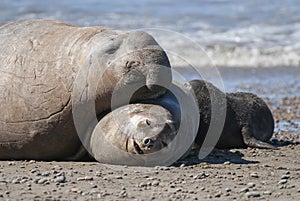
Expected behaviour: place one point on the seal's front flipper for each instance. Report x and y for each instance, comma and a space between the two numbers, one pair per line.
250, 141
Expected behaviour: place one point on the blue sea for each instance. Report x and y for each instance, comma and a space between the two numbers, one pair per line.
230, 33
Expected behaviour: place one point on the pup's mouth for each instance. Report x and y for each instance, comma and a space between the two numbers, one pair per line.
137, 148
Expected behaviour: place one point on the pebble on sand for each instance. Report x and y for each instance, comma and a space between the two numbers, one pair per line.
253, 194
282, 181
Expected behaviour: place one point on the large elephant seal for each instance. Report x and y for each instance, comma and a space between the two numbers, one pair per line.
49, 68
155, 132
249, 121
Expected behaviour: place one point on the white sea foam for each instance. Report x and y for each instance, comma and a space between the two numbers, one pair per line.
245, 33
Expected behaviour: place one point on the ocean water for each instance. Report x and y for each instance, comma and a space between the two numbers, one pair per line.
223, 32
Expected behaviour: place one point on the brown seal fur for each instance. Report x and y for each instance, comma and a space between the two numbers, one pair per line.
249, 121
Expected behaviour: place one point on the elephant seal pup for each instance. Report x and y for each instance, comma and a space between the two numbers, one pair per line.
55, 75
249, 121
155, 132
131, 130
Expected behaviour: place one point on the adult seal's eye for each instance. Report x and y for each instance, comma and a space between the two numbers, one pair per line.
148, 122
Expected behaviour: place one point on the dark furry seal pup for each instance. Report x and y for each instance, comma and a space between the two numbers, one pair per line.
249, 121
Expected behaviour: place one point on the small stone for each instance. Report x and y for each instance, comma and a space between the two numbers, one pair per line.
88, 178
42, 181
227, 163
56, 167
155, 183
35, 170
283, 181
182, 165
209, 196
11, 163
31, 161
84, 193
23, 181
142, 184
55, 172
123, 194
227, 189
285, 176
218, 194
251, 185
59, 174
254, 174
74, 190
94, 191
15, 181
60, 179
98, 174
45, 174
201, 175
3, 181
35, 180
253, 194
267, 193
243, 190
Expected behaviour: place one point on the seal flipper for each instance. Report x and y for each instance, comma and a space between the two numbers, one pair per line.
250, 141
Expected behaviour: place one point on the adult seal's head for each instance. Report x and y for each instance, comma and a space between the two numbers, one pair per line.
135, 66
118, 68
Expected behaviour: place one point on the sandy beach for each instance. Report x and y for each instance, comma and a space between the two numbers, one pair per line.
236, 174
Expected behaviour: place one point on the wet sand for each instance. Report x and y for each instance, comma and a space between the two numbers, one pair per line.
236, 174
